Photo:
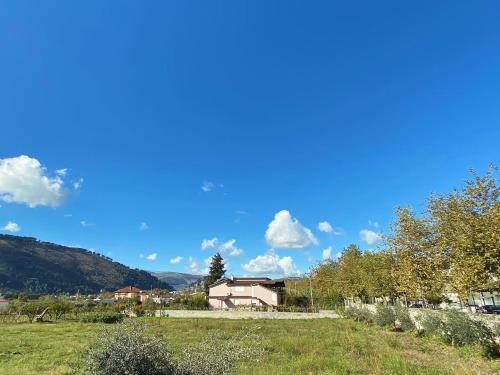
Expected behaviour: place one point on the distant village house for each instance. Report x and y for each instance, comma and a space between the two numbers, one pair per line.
131, 292
4, 303
246, 291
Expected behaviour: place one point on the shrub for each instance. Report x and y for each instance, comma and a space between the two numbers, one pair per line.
432, 323
385, 316
139, 310
128, 350
31, 309
218, 352
58, 307
102, 317
403, 318
496, 329
359, 314
460, 329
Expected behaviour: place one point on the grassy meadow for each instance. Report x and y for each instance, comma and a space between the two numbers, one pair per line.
322, 346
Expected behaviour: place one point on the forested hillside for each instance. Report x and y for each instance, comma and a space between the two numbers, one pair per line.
33, 266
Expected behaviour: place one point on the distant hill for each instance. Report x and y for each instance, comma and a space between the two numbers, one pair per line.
33, 266
176, 279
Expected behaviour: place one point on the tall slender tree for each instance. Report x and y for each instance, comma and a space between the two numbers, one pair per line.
216, 271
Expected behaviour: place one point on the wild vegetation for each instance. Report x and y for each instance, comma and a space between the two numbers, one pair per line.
322, 346
451, 326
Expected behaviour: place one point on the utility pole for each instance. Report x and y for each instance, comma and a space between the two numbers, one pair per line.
311, 292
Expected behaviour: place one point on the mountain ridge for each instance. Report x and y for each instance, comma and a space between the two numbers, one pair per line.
31, 265
178, 280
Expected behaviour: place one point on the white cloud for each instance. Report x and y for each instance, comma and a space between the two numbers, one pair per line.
193, 266
78, 184
143, 226
236, 252
369, 236
11, 227
325, 226
24, 180
85, 224
207, 186
271, 263
208, 244
230, 248
152, 256
62, 172
373, 224
327, 253
176, 260
287, 232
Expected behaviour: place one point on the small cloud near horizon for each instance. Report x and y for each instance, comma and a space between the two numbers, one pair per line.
152, 257
11, 227
176, 260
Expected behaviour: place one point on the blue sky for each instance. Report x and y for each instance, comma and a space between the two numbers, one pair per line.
245, 121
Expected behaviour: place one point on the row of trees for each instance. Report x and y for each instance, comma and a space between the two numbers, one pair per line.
454, 245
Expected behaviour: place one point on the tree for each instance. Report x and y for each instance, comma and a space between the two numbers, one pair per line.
58, 307
324, 284
468, 225
419, 268
216, 271
379, 279
31, 309
350, 272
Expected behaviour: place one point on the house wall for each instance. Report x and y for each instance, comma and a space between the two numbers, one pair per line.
125, 295
268, 296
4, 305
256, 295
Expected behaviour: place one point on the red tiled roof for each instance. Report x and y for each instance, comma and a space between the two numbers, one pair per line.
128, 289
2, 299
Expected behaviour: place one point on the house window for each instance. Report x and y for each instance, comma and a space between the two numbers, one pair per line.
239, 288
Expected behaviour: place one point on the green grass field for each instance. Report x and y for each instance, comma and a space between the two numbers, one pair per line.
323, 346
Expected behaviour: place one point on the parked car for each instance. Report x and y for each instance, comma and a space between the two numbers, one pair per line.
488, 309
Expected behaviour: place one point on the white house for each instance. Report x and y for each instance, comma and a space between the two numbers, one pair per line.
249, 291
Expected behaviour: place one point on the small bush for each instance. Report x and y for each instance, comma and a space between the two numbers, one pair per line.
359, 314
496, 329
460, 329
102, 317
405, 323
128, 350
385, 316
432, 324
